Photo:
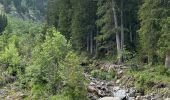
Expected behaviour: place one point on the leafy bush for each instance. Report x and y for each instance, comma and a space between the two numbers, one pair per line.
73, 78
162, 70
144, 82
59, 97
46, 57
56, 69
10, 58
103, 75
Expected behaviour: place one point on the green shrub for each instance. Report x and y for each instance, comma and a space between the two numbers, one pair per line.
56, 69
59, 97
10, 58
103, 74
162, 70
46, 58
73, 78
38, 91
141, 83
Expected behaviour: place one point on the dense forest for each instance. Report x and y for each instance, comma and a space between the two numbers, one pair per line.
84, 49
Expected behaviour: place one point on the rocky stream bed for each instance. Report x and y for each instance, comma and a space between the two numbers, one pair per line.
117, 89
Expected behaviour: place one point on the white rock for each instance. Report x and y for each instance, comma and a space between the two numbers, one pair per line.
92, 83
120, 93
116, 88
131, 98
110, 98
118, 81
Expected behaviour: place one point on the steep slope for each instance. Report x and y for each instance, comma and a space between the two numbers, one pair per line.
25, 9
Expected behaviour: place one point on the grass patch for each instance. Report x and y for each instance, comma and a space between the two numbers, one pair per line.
103, 75
147, 78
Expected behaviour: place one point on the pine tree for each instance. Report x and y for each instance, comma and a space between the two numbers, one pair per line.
3, 22
83, 24
65, 17
151, 14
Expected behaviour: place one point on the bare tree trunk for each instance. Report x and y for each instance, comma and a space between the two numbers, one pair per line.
87, 43
91, 43
96, 48
117, 34
167, 61
122, 32
131, 38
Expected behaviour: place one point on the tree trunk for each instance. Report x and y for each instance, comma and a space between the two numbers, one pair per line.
117, 34
122, 32
96, 46
87, 43
131, 38
167, 61
91, 43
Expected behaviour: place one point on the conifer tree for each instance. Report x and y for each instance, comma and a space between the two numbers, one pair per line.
3, 22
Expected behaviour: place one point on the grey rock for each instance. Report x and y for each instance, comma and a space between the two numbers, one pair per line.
120, 93
118, 81
131, 98
2, 93
138, 98
110, 98
116, 88
132, 92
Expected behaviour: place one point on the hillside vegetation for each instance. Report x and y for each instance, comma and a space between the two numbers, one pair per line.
84, 49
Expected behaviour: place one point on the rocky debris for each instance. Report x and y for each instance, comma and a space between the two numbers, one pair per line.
100, 88
11, 92
2, 93
119, 88
160, 85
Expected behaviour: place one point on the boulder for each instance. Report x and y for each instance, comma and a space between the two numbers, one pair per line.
120, 93
131, 98
118, 81
91, 89
110, 98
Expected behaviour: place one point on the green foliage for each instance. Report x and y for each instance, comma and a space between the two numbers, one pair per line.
146, 79
163, 70
10, 57
19, 26
151, 14
83, 23
56, 69
59, 97
164, 41
73, 78
143, 82
46, 58
38, 91
103, 75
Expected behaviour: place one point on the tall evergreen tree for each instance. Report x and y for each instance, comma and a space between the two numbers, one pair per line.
3, 22
65, 17
83, 24
151, 13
